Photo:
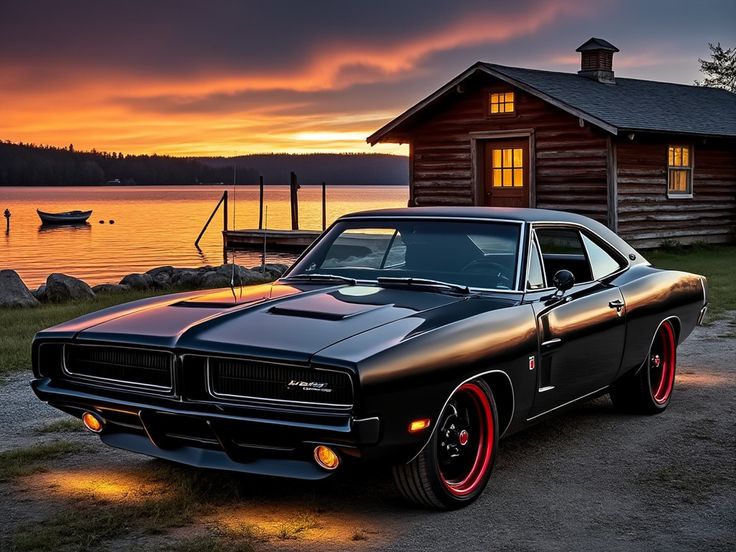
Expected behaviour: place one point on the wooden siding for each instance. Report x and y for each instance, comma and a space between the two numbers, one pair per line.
647, 217
569, 160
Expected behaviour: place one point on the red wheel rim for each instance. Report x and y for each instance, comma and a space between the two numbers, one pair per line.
478, 437
662, 364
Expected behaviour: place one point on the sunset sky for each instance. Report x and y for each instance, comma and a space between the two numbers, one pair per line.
233, 77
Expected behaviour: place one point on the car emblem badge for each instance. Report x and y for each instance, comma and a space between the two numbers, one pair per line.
309, 386
463, 437
531, 362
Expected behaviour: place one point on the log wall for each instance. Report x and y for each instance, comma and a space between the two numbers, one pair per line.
570, 160
647, 217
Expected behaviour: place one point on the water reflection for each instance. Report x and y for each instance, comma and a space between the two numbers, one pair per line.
157, 225
72, 226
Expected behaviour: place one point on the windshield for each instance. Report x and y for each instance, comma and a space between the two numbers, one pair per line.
468, 253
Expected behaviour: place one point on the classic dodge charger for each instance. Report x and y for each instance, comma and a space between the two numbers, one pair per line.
413, 337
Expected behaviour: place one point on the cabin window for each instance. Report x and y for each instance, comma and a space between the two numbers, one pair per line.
679, 171
501, 102
508, 167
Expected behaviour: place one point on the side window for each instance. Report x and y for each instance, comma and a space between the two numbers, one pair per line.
601, 263
534, 273
562, 249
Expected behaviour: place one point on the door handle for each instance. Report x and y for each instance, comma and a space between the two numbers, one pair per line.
617, 304
551, 344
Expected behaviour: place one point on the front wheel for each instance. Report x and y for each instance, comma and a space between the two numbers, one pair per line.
454, 467
648, 391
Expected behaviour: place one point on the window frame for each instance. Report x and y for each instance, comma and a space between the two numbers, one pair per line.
534, 246
690, 168
583, 230
487, 99
519, 265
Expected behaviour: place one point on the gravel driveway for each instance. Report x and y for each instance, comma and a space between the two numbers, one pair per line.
588, 478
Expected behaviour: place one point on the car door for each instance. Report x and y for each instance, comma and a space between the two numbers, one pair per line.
582, 333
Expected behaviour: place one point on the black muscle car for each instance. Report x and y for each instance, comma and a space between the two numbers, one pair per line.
414, 337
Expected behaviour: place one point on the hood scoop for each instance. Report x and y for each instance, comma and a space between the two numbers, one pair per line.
323, 307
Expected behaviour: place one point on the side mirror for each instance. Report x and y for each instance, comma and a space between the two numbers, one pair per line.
563, 280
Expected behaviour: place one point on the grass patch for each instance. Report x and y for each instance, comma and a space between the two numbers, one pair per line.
715, 262
163, 497
241, 539
293, 529
18, 326
359, 535
25, 461
67, 425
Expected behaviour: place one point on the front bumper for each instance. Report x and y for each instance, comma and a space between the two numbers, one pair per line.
237, 438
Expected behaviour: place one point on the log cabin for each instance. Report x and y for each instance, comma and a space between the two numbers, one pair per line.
654, 161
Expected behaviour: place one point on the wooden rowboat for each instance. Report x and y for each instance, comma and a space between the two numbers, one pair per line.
67, 217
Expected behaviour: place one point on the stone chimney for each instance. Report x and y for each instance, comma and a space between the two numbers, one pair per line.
597, 60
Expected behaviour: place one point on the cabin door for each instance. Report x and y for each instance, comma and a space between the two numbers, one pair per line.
506, 174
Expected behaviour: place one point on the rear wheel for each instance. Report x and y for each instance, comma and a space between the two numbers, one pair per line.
454, 467
649, 390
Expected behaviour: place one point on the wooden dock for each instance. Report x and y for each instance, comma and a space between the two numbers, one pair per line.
276, 240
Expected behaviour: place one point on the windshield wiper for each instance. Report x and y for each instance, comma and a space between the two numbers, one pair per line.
321, 278
423, 282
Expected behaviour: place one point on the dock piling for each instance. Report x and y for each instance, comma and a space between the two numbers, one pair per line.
260, 202
324, 206
294, 200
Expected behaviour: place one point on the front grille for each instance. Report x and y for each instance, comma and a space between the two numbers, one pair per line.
122, 365
246, 379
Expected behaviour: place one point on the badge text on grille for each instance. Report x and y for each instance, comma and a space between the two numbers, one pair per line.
309, 386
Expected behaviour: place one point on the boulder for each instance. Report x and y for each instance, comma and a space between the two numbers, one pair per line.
243, 276
137, 281
13, 292
168, 270
214, 279
162, 280
40, 293
185, 278
274, 269
61, 288
109, 288
249, 277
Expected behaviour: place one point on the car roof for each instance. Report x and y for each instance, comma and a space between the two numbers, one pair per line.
510, 214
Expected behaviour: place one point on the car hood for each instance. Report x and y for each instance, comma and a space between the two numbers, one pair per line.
283, 322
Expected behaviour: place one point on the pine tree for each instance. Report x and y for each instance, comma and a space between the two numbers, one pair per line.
720, 70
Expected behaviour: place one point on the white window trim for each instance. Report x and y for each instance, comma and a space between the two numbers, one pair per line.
690, 169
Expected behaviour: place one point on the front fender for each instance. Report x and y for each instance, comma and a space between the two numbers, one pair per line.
414, 376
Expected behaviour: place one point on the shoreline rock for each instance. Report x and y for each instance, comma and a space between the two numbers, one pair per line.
13, 292
62, 288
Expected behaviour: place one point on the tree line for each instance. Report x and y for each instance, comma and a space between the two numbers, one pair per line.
33, 165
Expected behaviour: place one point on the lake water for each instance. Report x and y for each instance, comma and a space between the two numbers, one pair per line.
156, 225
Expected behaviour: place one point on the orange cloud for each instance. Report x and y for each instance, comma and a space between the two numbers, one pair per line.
70, 105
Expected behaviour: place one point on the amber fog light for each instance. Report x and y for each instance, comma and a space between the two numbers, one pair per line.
93, 422
326, 457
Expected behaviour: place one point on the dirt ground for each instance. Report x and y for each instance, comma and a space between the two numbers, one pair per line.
588, 478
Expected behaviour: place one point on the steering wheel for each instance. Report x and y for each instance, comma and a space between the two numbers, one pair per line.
488, 265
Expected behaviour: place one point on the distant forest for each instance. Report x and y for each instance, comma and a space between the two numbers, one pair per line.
32, 165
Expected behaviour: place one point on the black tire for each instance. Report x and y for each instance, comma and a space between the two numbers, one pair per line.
648, 390
455, 466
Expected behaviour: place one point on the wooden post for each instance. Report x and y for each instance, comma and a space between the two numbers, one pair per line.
214, 212
224, 228
260, 202
324, 206
7, 221
293, 187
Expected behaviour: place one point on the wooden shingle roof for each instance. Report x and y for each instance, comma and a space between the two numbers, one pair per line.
627, 106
